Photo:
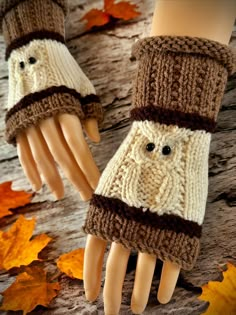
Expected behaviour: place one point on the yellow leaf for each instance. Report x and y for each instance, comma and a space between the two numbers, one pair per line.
10, 199
72, 263
16, 248
29, 290
221, 295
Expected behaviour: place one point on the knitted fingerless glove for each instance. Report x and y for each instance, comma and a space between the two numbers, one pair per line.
152, 195
44, 78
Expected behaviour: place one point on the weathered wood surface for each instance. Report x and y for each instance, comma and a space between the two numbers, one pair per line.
105, 58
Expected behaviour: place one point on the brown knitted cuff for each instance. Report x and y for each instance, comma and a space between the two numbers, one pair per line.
23, 21
169, 237
181, 80
37, 106
93, 110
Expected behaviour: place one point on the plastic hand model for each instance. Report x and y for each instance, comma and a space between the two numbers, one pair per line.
152, 195
50, 98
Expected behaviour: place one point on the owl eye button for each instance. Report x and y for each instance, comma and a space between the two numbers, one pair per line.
166, 150
150, 146
22, 64
32, 60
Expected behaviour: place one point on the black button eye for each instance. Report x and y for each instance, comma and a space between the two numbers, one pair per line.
166, 150
22, 65
32, 60
150, 146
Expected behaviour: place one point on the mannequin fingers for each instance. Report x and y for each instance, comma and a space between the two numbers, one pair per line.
73, 133
115, 273
27, 162
45, 162
91, 129
169, 276
63, 156
93, 261
143, 281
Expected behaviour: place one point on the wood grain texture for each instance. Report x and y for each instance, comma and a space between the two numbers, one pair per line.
105, 58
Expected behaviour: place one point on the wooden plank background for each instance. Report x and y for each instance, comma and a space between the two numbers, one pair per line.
105, 58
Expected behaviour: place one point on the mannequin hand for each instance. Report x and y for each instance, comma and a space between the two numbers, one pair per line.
115, 273
59, 139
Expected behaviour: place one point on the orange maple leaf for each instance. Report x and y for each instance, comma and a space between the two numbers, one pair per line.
10, 199
29, 290
95, 17
221, 295
121, 10
72, 263
16, 248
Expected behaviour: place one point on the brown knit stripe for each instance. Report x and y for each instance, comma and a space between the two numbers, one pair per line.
93, 110
186, 44
24, 40
33, 17
38, 96
8, 5
166, 244
163, 222
39, 110
41, 105
193, 121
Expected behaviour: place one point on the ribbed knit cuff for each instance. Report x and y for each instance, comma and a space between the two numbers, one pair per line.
35, 107
23, 21
169, 237
181, 80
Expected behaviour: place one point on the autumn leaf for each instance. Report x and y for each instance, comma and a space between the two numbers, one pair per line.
10, 199
29, 290
221, 295
121, 10
72, 263
16, 248
95, 17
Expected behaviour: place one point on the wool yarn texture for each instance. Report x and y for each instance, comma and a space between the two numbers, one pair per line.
44, 78
152, 195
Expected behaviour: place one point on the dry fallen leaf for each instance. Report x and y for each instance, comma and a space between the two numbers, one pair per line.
121, 10
95, 17
10, 199
72, 263
29, 290
221, 295
16, 248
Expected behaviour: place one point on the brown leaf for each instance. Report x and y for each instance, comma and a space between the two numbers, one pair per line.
221, 295
16, 248
10, 199
122, 10
72, 263
95, 17
29, 290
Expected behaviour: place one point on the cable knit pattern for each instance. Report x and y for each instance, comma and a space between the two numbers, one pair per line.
174, 184
53, 66
41, 66
152, 195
